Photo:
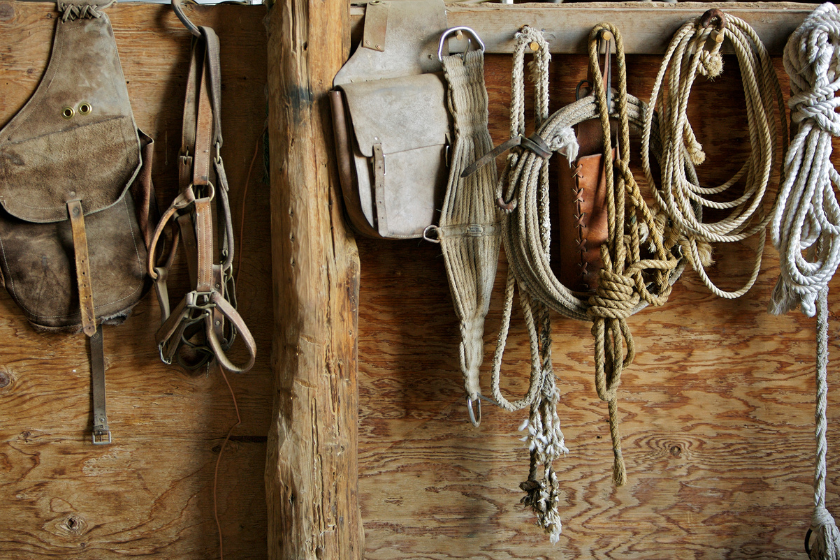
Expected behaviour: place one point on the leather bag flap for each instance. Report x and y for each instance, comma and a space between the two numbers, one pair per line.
75, 139
400, 113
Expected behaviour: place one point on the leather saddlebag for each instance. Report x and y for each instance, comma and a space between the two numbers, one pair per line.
390, 120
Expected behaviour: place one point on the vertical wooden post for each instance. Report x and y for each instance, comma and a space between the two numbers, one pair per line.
311, 468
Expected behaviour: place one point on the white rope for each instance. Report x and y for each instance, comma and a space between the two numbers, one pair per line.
680, 193
806, 226
807, 207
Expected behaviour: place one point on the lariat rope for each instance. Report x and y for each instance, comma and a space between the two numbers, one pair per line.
623, 281
623, 289
807, 219
680, 194
469, 228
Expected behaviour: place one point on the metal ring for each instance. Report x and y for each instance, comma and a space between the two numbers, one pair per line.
475, 422
580, 85
452, 30
808, 542
68, 112
427, 229
85, 108
711, 15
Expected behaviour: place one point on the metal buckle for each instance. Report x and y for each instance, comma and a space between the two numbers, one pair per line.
193, 301
98, 438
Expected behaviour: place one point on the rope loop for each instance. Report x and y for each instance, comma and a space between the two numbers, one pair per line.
678, 191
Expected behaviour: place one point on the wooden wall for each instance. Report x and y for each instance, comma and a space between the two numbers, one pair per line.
717, 410
150, 493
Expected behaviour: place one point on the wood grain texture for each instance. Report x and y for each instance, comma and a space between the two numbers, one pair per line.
148, 494
311, 469
716, 411
648, 25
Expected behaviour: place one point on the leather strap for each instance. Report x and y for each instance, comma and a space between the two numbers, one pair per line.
101, 432
83, 280
195, 330
379, 190
534, 143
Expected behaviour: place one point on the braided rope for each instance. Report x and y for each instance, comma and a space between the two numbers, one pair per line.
680, 193
807, 220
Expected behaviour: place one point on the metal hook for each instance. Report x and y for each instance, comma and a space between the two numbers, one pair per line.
710, 16
452, 30
179, 11
475, 422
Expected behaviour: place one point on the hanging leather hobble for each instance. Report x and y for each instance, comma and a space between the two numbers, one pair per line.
76, 192
202, 327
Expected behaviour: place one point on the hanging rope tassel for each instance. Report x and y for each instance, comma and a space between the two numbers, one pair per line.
469, 231
806, 225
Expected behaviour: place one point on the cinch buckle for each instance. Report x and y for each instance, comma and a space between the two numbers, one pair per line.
98, 437
200, 300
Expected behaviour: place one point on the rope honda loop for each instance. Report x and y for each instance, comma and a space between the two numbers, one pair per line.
679, 193
468, 232
806, 225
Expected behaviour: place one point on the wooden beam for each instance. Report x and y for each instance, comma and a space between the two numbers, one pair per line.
311, 469
647, 27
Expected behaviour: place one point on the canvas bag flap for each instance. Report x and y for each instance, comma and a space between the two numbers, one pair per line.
400, 114
48, 158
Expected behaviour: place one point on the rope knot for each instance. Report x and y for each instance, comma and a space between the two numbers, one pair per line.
615, 297
711, 64
542, 497
827, 542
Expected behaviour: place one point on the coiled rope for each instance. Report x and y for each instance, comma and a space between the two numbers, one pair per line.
680, 193
807, 220
624, 284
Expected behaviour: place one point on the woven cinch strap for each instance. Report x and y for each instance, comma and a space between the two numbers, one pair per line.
469, 223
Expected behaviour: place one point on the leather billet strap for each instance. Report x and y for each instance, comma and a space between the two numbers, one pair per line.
83, 279
101, 433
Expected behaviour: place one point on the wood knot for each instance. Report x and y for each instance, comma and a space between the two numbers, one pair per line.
73, 525
5, 379
7, 12
676, 451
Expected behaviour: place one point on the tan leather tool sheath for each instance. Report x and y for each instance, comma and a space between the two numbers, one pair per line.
582, 212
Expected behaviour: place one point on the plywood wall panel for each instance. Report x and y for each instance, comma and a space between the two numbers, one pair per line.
716, 411
150, 492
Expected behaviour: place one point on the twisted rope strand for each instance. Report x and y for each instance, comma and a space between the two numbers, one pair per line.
806, 225
680, 194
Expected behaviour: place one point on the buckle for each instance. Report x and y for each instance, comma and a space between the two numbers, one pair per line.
98, 437
162, 358
200, 300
